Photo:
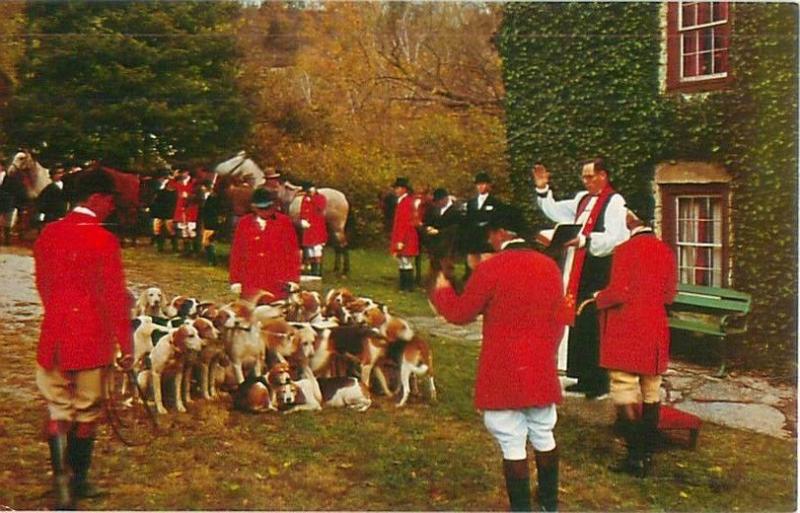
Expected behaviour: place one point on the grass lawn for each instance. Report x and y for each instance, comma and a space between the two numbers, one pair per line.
422, 457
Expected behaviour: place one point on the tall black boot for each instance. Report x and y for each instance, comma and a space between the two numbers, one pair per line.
650, 433
80, 459
196, 246
409, 279
547, 479
7, 236
401, 282
632, 432
211, 255
315, 269
159, 240
518, 484
61, 481
174, 242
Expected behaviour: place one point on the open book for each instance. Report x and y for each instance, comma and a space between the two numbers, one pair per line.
555, 238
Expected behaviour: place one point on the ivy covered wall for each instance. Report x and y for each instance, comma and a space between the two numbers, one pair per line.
583, 79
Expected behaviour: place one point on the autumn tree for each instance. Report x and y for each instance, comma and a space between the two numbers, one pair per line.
364, 92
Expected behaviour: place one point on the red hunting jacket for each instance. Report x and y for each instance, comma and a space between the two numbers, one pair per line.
86, 305
186, 208
634, 334
312, 209
264, 259
520, 294
404, 228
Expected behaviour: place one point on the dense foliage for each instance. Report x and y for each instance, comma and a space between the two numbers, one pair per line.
129, 82
583, 79
358, 93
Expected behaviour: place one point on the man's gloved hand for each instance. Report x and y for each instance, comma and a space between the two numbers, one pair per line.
305, 224
236, 288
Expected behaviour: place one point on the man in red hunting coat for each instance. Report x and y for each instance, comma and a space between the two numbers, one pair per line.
264, 254
404, 244
634, 337
312, 221
86, 316
186, 209
519, 293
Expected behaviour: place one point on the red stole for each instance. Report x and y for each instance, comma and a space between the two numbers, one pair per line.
580, 253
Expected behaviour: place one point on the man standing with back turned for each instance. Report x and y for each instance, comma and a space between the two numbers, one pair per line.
600, 211
519, 293
635, 337
86, 314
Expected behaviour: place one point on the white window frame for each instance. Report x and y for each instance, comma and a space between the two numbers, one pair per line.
699, 28
717, 269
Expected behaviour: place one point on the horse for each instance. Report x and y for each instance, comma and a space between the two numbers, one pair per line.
34, 178
336, 212
242, 169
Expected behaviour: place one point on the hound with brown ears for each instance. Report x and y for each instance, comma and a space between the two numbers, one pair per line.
416, 360
277, 376
212, 354
169, 358
242, 336
253, 395
151, 302
359, 345
304, 306
344, 392
182, 306
391, 327
299, 395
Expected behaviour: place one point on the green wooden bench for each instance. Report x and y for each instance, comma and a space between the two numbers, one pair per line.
710, 311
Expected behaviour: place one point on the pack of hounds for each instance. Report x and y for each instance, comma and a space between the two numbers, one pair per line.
299, 353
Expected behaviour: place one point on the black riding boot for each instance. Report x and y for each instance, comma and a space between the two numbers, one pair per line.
518, 484
408, 279
7, 236
80, 459
174, 242
211, 255
159, 241
58, 460
315, 269
547, 479
650, 434
633, 433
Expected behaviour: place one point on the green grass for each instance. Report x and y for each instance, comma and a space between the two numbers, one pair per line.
423, 457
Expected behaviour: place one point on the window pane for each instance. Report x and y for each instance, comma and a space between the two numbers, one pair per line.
688, 14
690, 42
703, 13
720, 38
706, 39
720, 12
721, 61
704, 63
690, 66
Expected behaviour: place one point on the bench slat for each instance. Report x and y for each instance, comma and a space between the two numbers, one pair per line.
714, 292
696, 326
710, 303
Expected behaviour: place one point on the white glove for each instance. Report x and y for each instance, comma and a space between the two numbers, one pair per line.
41, 217
305, 224
236, 288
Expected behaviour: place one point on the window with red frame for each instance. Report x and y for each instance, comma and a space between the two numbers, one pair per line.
697, 45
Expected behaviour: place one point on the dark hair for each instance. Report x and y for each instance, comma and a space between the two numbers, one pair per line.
599, 164
94, 181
